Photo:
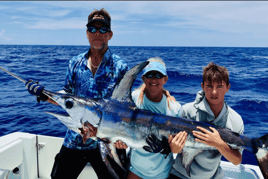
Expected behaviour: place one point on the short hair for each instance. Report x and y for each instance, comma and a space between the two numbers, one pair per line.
214, 73
102, 11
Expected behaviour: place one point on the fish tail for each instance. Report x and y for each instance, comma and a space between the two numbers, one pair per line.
260, 147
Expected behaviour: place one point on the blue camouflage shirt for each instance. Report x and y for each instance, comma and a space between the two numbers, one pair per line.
80, 82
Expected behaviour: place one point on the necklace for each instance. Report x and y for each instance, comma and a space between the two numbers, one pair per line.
93, 65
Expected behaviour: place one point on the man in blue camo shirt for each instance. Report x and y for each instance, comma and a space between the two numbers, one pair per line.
92, 74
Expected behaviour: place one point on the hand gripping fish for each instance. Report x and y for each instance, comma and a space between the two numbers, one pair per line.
118, 118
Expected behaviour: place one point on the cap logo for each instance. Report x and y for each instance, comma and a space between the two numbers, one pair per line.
98, 16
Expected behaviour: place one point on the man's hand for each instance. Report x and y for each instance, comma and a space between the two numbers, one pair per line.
177, 143
35, 89
87, 131
120, 145
209, 138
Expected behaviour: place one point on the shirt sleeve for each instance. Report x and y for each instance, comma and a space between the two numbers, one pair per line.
176, 108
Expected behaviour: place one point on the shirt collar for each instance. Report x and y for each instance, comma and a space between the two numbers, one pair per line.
220, 120
106, 56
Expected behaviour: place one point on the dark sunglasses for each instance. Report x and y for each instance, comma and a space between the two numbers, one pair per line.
157, 75
102, 30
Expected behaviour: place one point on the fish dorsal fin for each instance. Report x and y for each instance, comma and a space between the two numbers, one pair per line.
122, 91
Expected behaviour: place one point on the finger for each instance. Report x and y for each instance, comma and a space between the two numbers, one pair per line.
213, 129
116, 144
182, 144
198, 140
185, 135
147, 148
149, 140
120, 144
153, 136
177, 136
202, 129
125, 146
170, 137
199, 135
183, 139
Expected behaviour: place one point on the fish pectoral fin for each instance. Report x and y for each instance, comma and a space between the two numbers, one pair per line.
188, 156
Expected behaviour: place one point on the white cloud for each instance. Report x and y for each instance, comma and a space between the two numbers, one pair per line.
51, 24
3, 7
202, 18
58, 13
45, 12
235, 17
3, 36
2, 33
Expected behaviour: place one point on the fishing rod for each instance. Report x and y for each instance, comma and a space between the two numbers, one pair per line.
24, 81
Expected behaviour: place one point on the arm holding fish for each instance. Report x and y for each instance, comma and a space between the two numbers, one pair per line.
214, 139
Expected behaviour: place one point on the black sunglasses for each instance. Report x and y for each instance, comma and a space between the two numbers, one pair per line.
102, 30
157, 75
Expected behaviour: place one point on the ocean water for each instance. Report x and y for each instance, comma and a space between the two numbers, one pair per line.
248, 95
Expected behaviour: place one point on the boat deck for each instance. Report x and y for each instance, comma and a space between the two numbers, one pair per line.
33, 156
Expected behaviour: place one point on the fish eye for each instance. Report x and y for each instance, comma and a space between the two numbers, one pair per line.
69, 103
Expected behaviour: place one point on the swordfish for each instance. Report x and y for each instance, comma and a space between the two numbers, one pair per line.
117, 118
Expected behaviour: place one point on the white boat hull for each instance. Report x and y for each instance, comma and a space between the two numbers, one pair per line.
34, 156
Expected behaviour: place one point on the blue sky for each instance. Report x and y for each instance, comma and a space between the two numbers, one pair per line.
138, 23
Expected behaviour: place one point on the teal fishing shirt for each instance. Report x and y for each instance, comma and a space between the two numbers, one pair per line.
80, 82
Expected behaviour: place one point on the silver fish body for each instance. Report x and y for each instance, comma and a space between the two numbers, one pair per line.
118, 118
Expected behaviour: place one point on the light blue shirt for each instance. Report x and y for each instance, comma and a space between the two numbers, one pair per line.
153, 165
207, 164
